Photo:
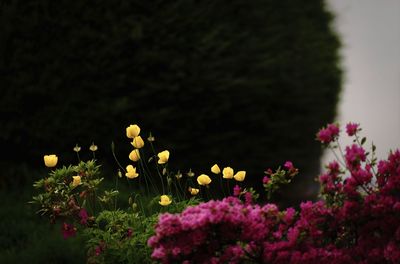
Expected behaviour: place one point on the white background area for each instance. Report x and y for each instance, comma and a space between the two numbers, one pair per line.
370, 35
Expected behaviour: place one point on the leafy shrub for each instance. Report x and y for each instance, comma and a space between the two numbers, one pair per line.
74, 196
357, 221
210, 72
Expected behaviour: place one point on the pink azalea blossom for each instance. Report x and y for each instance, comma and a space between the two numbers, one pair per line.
68, 230
351, 129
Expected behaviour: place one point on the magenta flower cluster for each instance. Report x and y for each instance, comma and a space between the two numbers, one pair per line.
328, 134
356, 221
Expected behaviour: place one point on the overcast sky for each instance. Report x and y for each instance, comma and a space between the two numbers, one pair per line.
370, 32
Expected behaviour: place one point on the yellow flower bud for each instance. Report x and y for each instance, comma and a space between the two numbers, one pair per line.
203, 179
165, 200
163, 157
138, 142
240, 175
190, 173
77, 148
193, 191
178, 175
50, 160
132, 131
93, 147
215, 169
227, 173
76, 181
131, 172
134, 155
151, 138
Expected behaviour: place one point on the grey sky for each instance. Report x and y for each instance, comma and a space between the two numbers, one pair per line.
370, 32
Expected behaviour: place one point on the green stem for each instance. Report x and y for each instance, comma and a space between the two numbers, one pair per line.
158, 171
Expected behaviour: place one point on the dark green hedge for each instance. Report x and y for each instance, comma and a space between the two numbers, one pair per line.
241, 83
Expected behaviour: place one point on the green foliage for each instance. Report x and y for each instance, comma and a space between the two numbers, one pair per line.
61, 197
241, 83
25, 238
121, 237
112, 235
273, 181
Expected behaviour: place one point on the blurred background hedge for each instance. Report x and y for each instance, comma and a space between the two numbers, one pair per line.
241, 83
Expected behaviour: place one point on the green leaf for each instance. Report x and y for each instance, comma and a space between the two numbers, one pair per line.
363, 140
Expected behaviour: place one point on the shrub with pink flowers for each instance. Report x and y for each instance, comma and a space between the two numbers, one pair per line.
357, 219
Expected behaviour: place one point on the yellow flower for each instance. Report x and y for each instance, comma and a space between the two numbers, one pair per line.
163, 157
193, 191
93, 147
132, 131
76, 181
215, 169
134, 155
131, 172
227, 173
178, 175
138, 142
165, 200
240, 175
151, 138
203, 179
190, 173
50, 160
77, 148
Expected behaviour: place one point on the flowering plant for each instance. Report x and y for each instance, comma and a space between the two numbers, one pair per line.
75, 197
356, 221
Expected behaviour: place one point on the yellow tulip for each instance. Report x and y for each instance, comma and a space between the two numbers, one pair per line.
165, 200
50, 160
134, 155
194, 191
131, 172
132, 131
227, 173
138, 142
203, 179
76, 181
240, 175
163, 157
215, 169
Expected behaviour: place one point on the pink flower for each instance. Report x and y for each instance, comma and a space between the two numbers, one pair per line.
100, 248
266, 180
83, 215
334, 129
289, 165
334, 167
351, 129
248, 198
236, 190
129, 232
328, 134
68, 230
354, 155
